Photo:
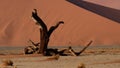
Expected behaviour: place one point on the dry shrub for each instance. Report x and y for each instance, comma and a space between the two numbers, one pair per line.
81, 65
6, 62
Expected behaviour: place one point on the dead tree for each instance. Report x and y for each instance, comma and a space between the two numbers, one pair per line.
44, 32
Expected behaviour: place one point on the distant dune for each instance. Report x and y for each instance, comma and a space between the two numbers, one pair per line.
108, 12
108, 3
81, 25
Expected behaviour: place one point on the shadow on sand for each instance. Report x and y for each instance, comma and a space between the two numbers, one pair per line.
107, 12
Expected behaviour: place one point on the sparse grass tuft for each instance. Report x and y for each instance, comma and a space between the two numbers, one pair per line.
81, 65
6, 63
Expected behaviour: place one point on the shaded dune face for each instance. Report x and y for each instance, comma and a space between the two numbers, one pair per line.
82, 24
108, 3
110, 13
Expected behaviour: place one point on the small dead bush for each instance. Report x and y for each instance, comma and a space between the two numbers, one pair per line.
7, 62
81, 65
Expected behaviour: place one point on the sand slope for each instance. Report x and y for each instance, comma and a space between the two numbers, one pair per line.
81, 25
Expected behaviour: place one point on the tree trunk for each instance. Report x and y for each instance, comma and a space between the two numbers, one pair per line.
44, 39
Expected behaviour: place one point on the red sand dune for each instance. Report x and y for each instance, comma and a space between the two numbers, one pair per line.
81, 25
108, 3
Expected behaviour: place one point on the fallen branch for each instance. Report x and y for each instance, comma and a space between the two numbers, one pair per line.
84, 48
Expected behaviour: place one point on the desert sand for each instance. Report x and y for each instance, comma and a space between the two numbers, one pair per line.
93, 57
81, 25
98, 61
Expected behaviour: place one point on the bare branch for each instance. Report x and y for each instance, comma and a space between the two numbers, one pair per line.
84, 48
39, 20
52, 28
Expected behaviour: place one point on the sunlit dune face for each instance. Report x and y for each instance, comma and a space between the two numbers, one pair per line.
80, 25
